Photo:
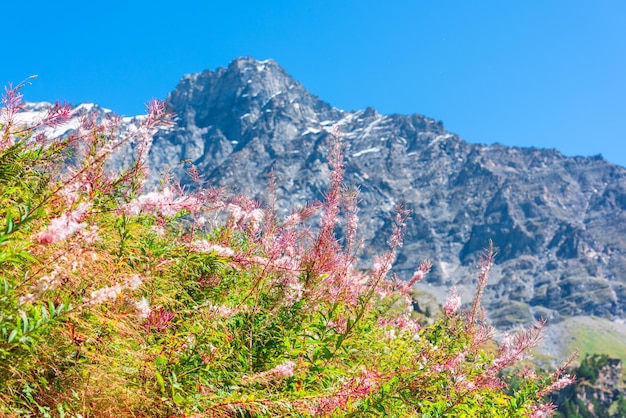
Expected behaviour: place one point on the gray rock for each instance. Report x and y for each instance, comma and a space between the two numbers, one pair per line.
559, 222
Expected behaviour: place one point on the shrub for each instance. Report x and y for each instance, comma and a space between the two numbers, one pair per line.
115, 301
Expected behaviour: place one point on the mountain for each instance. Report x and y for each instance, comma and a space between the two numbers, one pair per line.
559, 222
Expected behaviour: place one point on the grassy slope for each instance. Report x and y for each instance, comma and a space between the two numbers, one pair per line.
587, 335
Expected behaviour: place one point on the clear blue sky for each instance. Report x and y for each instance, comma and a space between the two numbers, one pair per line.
546, 73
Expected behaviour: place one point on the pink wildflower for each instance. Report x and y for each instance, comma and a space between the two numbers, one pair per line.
203, 246
12, 105
450, 364
382, 264
560, 383
419, 274
486, 262
453, 303
283, 370
157, 118
279, 372
56, 115
246, 212
515, 347
48, 282
143, 308
541, 411
135, 281
162, 203
221, 310
64, 226
153, 202
159, 320
71, 191
339, 325
27, 298
352, 220
403, 324
395, 240
292, 220
300, 215
158, 114
293, 289
354, 389
105, 294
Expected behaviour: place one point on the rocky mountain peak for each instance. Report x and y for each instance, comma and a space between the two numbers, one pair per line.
245, 89
220, 112
559, 222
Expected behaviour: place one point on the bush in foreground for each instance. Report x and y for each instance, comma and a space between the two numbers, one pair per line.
117, 302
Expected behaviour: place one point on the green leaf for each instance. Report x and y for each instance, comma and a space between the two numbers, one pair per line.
28, 341
44, 314
340, 340
177, 399
12, 336
25, 324
160, 381
160, 361
9, 224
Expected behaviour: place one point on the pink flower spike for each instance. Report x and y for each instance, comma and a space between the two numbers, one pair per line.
135, 281
159, 320
164, 203
12, 102
143, 308
453, 303
64, 226
279, 372
204, 247
57, 115
105, 294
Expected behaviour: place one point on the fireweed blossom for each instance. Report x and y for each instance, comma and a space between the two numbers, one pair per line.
245, 214
135, 281
143, 308
159, 320
293, 290
105, 294
110, 293
64, 226
355, 388
164, 203
12, 126
423, 269
203, 246
220, 311
71, 191
279, 372
12, 104
453, 303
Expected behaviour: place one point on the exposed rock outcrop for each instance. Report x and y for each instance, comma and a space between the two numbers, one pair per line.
559, 222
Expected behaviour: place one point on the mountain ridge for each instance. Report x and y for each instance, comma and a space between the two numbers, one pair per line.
558, 221
528, 201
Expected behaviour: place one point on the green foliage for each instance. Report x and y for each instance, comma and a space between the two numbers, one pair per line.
590, 367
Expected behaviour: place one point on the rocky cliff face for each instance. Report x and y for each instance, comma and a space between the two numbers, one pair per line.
559, 222
598, 392
607, 388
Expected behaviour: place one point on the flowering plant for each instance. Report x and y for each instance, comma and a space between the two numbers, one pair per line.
118, 301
